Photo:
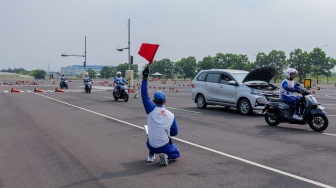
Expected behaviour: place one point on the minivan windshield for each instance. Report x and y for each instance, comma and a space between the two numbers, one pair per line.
239, 77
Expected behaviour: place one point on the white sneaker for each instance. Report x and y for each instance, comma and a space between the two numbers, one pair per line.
150, 158
297, 117
163, 159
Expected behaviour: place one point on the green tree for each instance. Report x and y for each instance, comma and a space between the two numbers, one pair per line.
261, 60
186, 67
122, 68
38, 74
163, 66
277, 59
206, 63
106, 72
321, 64
92, 73
300, 61
222, 61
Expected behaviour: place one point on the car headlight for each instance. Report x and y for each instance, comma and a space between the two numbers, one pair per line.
256, 92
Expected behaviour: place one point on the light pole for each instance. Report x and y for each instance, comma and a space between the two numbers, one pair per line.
66, 55
129, 45
324, 46
129, 72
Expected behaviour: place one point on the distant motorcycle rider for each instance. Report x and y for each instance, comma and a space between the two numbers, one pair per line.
118, 80
86, 79
63, 78
287, 92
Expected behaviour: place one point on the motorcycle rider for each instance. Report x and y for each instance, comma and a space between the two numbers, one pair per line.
63, 78
287, 89
86, 79
118, 80
161, 125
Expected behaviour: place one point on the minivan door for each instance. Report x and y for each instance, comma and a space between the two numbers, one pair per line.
211, 86
226, 93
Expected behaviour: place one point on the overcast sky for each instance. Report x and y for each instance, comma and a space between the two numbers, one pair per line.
34, 33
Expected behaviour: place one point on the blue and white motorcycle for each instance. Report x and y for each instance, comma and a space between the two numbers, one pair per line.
88, 87
123, 94
277, 111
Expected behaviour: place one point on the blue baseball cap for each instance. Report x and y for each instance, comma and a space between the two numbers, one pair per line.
159, 96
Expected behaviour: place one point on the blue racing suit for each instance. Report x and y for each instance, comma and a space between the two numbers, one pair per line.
287, 90
161, 123
86, 80
118, 81
63, 79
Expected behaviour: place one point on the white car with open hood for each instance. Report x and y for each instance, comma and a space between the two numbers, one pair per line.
246, 91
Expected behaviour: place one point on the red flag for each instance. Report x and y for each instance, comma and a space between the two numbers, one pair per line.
148, 51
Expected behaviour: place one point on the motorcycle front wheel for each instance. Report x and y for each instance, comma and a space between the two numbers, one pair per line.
272, 118
125, 97
318, 123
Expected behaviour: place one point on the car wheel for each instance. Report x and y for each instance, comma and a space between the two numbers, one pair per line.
245, 107
200, 100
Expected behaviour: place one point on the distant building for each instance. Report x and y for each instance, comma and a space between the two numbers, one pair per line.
77, 70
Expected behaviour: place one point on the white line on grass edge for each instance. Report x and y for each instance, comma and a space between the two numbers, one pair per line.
203, 147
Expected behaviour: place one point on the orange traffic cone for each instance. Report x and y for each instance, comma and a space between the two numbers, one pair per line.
15, 90
313, 92
58, 90
38, 90
177, 90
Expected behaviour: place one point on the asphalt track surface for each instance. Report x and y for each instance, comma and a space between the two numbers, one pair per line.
73, 139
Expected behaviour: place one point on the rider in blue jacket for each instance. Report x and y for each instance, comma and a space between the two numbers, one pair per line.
86, 79
118, 80
161, 125
287, 92
63, 78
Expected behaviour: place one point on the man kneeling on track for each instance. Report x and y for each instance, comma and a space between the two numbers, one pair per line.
161, 125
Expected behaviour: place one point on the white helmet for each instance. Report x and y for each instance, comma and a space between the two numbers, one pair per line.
118, 72
289, 71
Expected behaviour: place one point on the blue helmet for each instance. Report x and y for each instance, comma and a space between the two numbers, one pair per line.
159, 97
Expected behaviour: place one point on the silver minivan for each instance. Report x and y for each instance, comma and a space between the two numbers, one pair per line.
246, 91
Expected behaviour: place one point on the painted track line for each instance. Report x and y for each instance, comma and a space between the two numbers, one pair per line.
329, 134
184, 110
203, 147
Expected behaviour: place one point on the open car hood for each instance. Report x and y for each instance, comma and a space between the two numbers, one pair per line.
261, 74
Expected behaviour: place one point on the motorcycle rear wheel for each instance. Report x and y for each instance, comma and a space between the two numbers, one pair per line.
319, 123
272, 118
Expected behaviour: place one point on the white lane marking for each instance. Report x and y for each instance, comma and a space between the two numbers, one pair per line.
329, 134
203, 147
183, 110
109, 97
